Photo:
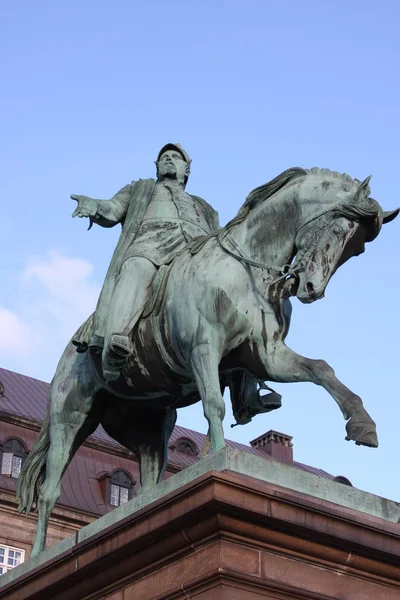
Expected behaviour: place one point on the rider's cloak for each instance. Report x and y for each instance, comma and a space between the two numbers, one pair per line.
129, 206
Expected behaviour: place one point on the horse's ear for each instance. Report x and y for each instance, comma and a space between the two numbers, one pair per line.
363, 190
389, 215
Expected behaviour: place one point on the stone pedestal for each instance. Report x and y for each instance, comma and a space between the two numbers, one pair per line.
234, 527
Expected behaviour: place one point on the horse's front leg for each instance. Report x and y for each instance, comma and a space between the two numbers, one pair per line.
284, 365
205, 361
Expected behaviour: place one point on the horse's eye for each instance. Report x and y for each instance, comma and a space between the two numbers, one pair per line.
336, 229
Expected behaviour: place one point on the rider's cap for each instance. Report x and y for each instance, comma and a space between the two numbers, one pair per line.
174, 147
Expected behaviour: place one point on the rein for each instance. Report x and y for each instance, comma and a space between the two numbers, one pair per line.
248, 261
285, 270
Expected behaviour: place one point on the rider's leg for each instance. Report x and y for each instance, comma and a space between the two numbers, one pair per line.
246, 397
130, 294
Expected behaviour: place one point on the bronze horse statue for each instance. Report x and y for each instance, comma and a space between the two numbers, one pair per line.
221, 307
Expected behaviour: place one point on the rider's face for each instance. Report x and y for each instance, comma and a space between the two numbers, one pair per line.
172, 164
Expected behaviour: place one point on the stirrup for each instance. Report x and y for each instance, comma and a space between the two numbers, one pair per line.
270, 401
119, 345
118, 352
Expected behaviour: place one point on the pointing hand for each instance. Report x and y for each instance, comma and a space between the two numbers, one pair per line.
87, 207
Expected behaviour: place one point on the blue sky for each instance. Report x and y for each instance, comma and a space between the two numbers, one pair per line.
91, 90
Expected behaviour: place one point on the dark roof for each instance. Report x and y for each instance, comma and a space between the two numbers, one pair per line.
27, 397
80, 488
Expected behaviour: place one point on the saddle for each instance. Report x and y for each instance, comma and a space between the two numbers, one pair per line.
157, 291
158, 287
83, 336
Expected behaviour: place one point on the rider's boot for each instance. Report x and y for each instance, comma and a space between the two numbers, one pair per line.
116, 355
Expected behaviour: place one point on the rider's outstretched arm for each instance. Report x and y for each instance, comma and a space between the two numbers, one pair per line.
113, 211
106, 213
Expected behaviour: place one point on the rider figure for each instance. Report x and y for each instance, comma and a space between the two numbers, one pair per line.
158, 219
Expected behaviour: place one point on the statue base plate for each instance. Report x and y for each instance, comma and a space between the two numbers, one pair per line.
233, 526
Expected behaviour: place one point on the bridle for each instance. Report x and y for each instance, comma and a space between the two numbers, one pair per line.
285, 270
241, 257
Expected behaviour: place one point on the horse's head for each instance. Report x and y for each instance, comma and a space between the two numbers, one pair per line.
318, 216
329, 239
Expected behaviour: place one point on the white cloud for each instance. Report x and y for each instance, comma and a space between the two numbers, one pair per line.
15, 335
64, 286
55, 294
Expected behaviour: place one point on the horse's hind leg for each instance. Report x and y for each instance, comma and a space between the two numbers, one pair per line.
284, 365
205, 361
146, 433
72, 420
152, 447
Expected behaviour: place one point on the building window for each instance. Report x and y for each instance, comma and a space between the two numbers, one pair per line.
120, 488
10, 558
342, 479
186, 446
12, 456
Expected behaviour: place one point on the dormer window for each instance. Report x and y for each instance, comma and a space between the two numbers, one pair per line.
342, 479
120, 487
13, 453
186, 446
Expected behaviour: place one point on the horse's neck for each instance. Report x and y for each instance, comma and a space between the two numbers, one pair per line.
268, 233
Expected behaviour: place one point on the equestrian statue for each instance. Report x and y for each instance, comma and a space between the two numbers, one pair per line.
189, 308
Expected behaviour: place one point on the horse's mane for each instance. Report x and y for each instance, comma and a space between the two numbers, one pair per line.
352, 209
347, 179
266, 191
263, 192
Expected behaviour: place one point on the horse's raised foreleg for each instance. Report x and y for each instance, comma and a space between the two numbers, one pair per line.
205, 361
286, 366
72, 420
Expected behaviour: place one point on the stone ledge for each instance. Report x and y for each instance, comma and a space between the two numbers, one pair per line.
248, 488
295, 479
257, 467
217, 462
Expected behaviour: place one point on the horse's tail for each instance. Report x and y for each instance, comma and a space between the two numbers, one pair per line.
33, 471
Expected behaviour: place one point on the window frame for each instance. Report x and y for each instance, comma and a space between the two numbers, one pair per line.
4, 566
120, 479
12, 447
186, 446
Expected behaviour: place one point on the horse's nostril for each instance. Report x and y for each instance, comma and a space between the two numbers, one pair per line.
309, 287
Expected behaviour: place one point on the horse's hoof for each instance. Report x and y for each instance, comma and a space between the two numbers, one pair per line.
363, 433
